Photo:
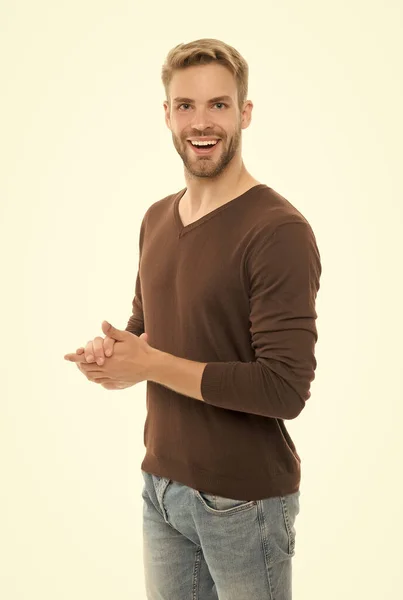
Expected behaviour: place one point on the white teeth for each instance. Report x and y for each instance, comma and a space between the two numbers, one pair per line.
204, 143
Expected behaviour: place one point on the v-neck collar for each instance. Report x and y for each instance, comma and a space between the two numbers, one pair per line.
182, 229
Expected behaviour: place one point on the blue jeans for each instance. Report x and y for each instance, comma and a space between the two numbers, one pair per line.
199, 546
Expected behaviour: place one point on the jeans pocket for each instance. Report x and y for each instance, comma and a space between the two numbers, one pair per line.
290, 505
215, 504
277, 518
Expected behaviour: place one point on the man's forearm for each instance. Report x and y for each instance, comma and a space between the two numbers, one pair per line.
179, 374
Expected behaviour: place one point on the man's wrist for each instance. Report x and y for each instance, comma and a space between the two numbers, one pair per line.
158, 362
178, 374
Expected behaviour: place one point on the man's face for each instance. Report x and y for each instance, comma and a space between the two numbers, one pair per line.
194, 114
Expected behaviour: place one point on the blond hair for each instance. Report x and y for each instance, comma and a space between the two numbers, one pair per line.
202, 52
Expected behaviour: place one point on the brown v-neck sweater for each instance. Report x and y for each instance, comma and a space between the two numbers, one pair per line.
235, 289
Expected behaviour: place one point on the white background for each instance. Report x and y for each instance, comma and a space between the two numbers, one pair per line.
84, 151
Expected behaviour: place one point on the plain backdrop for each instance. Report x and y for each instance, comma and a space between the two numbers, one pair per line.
84, 151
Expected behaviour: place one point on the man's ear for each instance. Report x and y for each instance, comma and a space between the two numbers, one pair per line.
247, 114
167, 115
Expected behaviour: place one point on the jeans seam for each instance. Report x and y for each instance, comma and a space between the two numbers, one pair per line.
265, 546
287, 524
196, 573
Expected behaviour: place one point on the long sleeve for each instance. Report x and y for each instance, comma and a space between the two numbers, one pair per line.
136, 321
283, 272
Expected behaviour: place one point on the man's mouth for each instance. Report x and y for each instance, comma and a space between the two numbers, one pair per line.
204, 147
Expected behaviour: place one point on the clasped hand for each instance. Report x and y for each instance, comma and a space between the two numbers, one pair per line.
129, 363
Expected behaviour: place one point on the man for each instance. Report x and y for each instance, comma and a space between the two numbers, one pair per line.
228, 275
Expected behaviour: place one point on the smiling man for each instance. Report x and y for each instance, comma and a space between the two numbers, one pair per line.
228, 277
207, 134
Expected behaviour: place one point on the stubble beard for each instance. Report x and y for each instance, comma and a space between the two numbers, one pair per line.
207, 167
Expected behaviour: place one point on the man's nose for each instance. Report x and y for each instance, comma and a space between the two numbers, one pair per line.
202, 119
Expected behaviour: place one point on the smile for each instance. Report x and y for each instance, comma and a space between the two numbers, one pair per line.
201, 150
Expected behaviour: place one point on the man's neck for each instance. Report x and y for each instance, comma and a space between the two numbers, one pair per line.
199, 199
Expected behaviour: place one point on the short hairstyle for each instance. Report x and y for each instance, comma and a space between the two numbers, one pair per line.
206, 51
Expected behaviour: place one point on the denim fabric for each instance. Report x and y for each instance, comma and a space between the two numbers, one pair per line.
200, 546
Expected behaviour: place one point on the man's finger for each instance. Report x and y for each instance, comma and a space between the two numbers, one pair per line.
95, 350
98, 345
89, 352
108, 345
73, 357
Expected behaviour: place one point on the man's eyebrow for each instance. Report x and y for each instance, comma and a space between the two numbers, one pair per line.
216, 99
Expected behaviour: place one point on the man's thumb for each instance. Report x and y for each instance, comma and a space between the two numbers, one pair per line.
144, 336
112, 332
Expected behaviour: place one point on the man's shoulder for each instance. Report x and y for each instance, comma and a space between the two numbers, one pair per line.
160, 206
269, 211
164, 202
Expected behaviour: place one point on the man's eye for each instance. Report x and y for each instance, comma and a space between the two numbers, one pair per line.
184, 104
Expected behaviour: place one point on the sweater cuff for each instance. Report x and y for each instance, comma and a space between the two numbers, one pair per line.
211, 386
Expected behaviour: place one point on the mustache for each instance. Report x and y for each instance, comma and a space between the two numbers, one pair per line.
185, 138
